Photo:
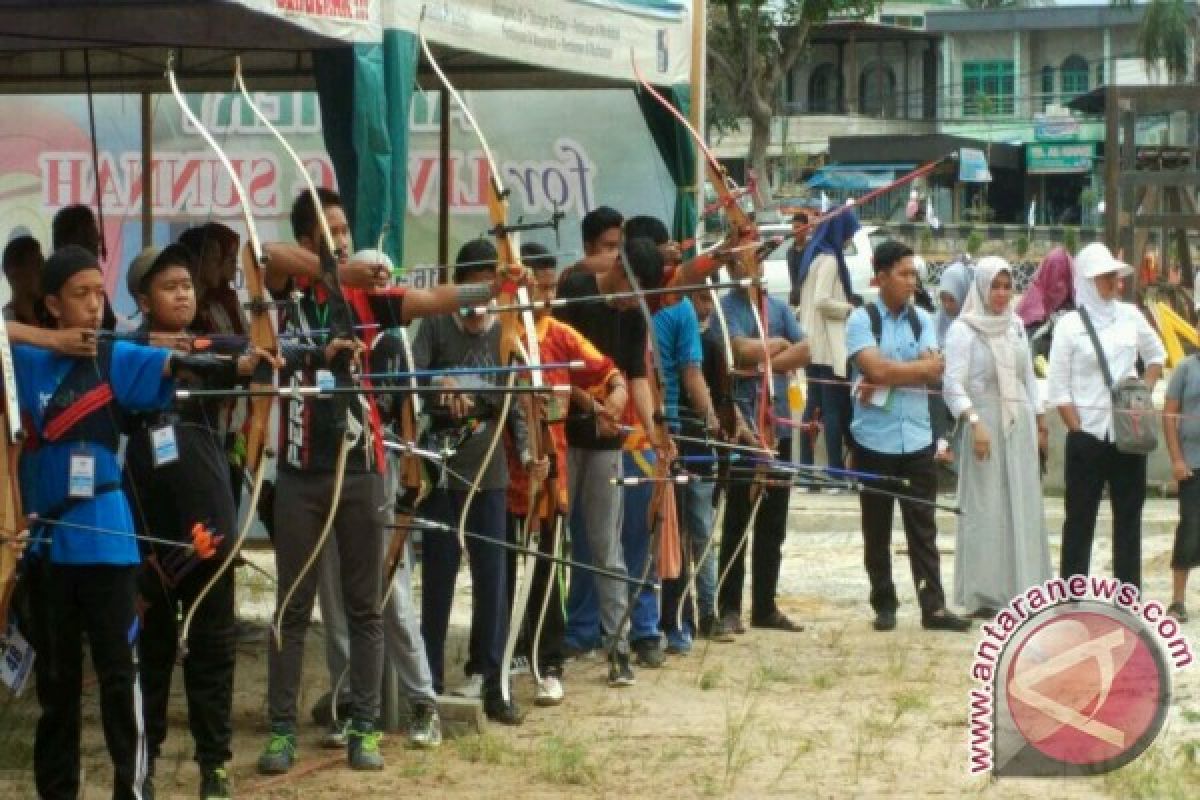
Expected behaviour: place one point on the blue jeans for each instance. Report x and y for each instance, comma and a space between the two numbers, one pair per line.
834, 403
695, 501
812, 409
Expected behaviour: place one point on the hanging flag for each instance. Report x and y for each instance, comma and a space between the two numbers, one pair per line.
931, 214
1032, 214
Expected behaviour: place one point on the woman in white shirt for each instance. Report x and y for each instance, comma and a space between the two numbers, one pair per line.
1076, 387
991, 389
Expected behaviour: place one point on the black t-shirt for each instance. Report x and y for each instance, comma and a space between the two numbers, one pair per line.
310, 429
620, 335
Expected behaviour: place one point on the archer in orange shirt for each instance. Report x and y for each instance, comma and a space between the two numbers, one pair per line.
599, 385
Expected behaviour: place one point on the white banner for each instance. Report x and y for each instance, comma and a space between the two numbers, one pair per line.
348, 20
593, 37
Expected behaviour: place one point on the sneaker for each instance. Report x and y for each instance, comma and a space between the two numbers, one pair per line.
712, 628
679, 643
362, 746
498, 709
619, 671
732, 622
519, 666
550, 690
280, 753
943, 620
471, 688
334, 737
649, 652
885, 621
1178, 611
214, 783
424, 727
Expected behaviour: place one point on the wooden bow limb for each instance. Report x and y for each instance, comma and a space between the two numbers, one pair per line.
262, 334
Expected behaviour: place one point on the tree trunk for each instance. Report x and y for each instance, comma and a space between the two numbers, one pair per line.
760, 139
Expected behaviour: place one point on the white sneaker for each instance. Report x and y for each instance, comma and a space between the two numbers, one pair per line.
471, 688
549, 691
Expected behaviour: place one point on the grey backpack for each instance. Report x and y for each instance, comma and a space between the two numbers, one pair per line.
1134, 421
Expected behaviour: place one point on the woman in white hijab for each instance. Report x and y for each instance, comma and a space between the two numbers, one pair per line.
1076, 387
991, 389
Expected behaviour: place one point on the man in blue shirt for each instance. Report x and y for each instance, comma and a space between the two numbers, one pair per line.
893, 436
784, 348
80, 572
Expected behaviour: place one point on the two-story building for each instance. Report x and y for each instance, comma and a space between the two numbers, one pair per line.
882, 90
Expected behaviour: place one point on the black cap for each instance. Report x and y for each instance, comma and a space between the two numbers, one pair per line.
63, 263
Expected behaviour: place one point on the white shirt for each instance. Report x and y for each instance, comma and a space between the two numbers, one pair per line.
823, 312
971, 372
1075, 376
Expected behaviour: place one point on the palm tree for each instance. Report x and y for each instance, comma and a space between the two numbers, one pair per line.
1163, 37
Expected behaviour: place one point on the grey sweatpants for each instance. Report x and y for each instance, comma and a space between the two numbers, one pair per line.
301, 505
591, 492
402, 640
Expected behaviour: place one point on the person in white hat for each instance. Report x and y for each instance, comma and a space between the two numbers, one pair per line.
1076, 387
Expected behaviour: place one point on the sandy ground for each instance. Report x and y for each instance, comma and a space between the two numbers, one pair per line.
836, 711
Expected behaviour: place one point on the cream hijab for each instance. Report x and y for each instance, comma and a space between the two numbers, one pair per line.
993, 328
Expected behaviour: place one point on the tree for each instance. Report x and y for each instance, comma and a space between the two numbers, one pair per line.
1166, 27
752, 46
1163, 36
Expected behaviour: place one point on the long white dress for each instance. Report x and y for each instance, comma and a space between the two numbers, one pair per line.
1002, 547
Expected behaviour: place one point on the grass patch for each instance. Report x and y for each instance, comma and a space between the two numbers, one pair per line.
711, 678
1159, 774
823, 681
16, 730
909, 700
486, 748
566, 762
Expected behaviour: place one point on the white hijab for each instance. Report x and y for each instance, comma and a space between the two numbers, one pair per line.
1102, 312
993, 328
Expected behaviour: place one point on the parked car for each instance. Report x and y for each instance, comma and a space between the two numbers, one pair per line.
858, 259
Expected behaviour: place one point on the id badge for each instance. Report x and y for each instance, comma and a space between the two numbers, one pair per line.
82, 480
166, 451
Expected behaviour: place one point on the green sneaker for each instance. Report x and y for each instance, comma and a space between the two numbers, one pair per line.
280, 753
214, 784
362, 746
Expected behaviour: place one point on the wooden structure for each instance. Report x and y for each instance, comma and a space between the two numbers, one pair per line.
1149, 188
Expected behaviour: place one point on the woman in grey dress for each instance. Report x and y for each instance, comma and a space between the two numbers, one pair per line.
991, 389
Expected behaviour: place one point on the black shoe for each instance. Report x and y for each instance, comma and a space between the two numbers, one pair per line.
498, 709
1178, 611
712, 628
732, 622
214, 784
776, 621
619, 672
943, 620
649, 652
885, 621
984, 612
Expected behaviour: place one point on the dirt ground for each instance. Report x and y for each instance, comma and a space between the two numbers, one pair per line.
836, 711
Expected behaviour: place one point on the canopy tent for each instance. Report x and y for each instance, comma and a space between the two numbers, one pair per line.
362, 57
